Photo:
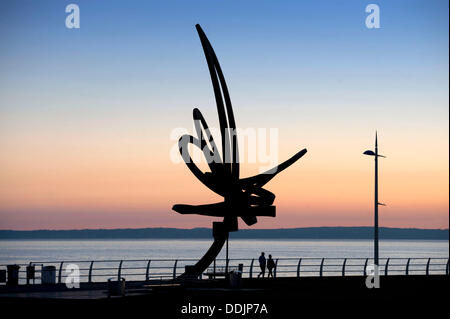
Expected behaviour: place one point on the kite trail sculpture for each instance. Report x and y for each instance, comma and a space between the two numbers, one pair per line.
243, 197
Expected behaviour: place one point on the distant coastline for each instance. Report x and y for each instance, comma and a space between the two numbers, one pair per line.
205, 233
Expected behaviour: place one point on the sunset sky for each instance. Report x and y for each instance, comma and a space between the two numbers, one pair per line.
86, 114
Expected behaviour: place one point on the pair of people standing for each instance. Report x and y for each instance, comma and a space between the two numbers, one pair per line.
262, 264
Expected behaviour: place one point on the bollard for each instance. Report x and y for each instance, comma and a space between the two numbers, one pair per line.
116, 287
48, 276
189, 270
30, 273
236, 277
2, 275
13, 275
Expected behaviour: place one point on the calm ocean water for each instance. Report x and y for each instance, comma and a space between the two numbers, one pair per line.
25, 251
108, 254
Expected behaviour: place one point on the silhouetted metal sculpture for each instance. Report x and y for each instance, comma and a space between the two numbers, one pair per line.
243, 197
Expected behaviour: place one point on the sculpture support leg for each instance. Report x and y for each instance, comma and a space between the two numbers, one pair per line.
220, 233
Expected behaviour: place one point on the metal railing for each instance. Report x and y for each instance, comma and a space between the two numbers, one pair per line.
150, 269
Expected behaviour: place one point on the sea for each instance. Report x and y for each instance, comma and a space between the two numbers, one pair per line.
165, 254
26, 251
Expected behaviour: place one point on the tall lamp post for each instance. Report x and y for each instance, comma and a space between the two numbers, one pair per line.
376, 155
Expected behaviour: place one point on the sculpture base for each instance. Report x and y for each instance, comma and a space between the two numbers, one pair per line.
221, 231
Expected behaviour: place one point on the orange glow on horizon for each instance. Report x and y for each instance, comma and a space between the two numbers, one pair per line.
137, 187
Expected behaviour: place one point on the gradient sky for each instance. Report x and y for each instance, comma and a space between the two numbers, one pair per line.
86, 115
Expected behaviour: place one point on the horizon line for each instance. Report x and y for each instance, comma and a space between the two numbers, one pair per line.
252, 229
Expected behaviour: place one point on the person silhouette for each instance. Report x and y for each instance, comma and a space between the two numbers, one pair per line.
262, 264
270, 266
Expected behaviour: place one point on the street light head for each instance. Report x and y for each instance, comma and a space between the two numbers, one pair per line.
371, 153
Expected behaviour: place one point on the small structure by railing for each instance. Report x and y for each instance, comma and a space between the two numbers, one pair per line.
151, 269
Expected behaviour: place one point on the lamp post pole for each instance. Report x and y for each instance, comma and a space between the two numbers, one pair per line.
377, 203
226, 261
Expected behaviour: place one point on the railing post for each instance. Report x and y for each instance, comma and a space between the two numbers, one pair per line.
119, 272
407, 266
447, 267
90, 272
321, 267
251, 268
298, 267
343, 267
226, 265
365, 267
147, 271
275, 270
428, 267
60, 271
386, 268
28, 279
175, 269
